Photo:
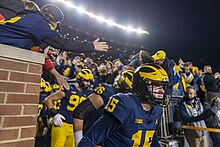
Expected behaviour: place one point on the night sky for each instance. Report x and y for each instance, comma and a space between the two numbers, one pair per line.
189, 29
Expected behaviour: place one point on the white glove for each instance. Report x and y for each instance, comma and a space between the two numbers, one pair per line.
78, 136
57, 119
44, 131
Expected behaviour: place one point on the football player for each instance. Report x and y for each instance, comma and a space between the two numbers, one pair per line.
132, 119
90, 110
42, 138
62, 129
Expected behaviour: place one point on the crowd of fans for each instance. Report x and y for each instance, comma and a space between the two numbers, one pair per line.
77, 76
199, 88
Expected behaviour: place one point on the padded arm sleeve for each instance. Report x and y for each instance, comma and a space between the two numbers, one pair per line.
83, 109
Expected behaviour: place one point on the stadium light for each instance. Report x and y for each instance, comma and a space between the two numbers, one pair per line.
101, 19
81, 10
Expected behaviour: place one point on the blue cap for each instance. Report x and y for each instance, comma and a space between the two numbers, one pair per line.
55, 11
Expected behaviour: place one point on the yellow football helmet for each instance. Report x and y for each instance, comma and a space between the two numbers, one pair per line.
56, 87
45, 86
42, 84
85, 74
146, 76
124, 82
48, 87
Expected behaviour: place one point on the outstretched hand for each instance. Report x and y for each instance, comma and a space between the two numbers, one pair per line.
100, 46
62, 82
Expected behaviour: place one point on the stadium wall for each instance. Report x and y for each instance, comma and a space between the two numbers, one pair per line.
20, 74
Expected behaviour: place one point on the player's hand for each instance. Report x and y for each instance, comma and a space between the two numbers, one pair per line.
58, 119
100, 46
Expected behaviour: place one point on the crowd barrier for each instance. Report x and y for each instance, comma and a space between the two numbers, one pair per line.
171, 132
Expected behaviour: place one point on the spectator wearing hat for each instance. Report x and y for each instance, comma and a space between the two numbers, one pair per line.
33, 27
213, 103
168, 65
30, 28
10, 8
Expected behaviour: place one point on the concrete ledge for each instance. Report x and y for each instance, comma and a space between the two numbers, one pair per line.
21, 54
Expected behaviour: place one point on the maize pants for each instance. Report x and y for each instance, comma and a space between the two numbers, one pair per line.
62, 136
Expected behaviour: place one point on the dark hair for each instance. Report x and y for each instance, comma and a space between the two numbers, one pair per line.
94, 65
145, 57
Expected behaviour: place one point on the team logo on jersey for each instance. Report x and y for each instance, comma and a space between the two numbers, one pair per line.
138, 121
156, 122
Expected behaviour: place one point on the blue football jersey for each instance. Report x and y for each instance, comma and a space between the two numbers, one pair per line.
105, 91
137, 126
134, 127
42, 112
25, 31
73, 97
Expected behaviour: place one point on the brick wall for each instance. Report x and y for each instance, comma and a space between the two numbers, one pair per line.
20, 73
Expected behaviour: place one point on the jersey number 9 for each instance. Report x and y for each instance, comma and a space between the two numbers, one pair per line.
75, 100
